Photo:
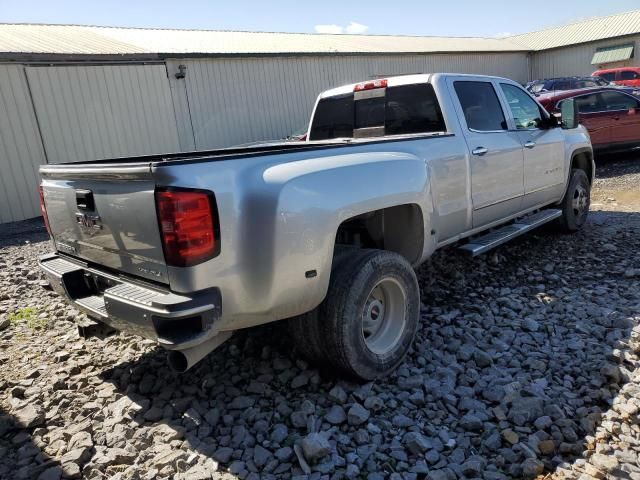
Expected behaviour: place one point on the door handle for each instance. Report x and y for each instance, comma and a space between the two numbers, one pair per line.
529, 144
480, 151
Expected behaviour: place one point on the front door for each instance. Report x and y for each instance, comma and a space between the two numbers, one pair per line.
544, 166
496, 158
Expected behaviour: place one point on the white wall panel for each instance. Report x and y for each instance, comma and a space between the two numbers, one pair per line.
20, 148
103, 111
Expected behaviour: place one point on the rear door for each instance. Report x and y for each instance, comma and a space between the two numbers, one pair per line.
624, 114
544, 173
497, 184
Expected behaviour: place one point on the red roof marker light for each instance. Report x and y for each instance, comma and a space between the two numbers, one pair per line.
371, 85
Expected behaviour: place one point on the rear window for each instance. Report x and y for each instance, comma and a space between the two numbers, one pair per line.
401, 110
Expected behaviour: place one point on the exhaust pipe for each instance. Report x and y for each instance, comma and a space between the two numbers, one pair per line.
182, 360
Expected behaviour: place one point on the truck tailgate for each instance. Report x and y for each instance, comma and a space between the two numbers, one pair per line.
108, 221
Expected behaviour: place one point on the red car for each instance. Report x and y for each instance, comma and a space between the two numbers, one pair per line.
629, 76
611, 116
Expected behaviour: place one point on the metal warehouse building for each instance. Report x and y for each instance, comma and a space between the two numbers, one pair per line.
70, 93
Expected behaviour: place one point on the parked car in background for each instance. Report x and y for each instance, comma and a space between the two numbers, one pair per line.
564, 83
629, 76
612, 116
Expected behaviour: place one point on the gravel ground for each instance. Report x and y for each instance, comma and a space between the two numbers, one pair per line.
525, 366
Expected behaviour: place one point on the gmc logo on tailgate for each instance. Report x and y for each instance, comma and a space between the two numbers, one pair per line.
89, 223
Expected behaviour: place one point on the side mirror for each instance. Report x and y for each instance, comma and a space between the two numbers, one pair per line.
632, 111
569, 114
552, 122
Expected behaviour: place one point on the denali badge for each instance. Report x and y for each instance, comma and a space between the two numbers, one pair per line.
88, 222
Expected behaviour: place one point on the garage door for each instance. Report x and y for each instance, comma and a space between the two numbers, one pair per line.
103, 111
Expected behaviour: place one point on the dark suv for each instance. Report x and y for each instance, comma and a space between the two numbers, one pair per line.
564, 83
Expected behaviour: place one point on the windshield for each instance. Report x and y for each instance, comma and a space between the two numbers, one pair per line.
401, 110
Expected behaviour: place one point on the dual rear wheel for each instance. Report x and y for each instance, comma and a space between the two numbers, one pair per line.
368, 320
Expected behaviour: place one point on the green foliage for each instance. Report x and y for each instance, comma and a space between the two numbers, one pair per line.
30, 316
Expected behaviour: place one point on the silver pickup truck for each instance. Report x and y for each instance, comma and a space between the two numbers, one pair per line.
186, 248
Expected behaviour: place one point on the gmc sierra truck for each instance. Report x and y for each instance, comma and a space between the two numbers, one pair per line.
187, 248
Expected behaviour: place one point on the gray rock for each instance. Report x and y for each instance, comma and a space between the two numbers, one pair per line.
482, 358
29, 416
604, 462
471, 423
337, 395
417, 443
530, 325
336, 415
315, 447
261, 456
51, 473
223, 455
283, 454
79, 456
543, 422
279, 433
241, 403
80, 440
402, 421
532, 467
357, 414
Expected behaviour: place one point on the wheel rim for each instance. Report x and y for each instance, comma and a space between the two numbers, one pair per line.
384, 316
580, 202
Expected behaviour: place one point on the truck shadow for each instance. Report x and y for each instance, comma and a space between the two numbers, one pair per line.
21, 453
519, 358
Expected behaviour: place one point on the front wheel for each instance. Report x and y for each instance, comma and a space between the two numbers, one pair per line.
575, 205
370, 315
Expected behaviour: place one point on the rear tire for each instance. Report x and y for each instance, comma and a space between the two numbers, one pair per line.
575, 205
370, 315
305, 329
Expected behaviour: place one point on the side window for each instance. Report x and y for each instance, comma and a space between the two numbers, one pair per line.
525, 110
413, 109
616, 101
610, 76
333, 118
628, 75
587, 103
481, 107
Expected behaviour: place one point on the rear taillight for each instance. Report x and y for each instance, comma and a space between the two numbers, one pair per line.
188, 226
382, 83
43, 209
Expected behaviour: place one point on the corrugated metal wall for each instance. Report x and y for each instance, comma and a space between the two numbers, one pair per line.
576, 60
20, 148
237, 100
103, 111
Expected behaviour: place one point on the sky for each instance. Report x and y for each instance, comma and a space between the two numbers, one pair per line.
485, 18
